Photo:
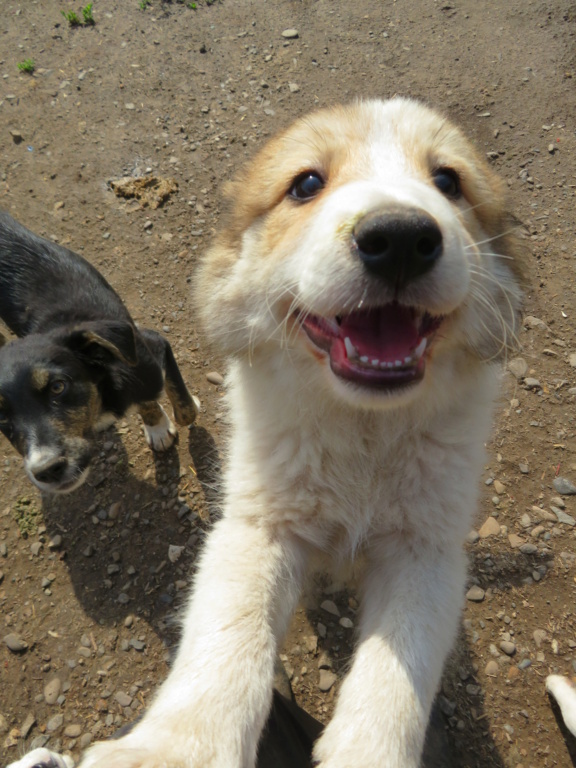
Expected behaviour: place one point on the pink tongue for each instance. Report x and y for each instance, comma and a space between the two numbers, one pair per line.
388, 333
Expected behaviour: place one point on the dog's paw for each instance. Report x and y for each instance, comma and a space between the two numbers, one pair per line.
186, 414
162, 435
43, 758
152, 749
564, 691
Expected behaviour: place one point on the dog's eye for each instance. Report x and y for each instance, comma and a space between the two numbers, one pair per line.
306, 186
448, 182
58, 387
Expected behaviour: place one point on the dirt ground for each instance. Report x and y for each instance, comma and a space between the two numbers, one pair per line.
89, 582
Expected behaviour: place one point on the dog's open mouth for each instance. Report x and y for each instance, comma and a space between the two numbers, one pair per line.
382, 347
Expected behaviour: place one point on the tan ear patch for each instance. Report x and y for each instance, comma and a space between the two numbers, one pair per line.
39, 378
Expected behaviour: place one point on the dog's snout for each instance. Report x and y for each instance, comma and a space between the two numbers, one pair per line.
52, 471
398, 245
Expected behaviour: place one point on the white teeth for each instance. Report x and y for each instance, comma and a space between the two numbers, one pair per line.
363, 359
375, 363
351, 350
420, 349
407, 359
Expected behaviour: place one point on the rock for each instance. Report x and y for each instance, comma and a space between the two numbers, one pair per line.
326, 680
215, 378
524, 468
346, 622
499, 487
123, 698
508, 647
55, 542
73, 730
490, 528
528, 549
472, 537
531, 383
4, 727
535, 322
15, 643
475, 594
515, 540
564, 486
492, 668
55, 723
563, 517
330, 607
294, 87
518, 367
52, 690
290, 34
35, 548
174, 552
27, 725
572, 359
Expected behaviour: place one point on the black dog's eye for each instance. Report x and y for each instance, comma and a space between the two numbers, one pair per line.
448, 182
58, 387
306, 186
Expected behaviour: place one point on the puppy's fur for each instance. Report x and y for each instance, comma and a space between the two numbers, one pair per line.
364, 289
81, 363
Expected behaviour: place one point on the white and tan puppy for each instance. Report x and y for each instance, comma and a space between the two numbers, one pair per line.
364, 290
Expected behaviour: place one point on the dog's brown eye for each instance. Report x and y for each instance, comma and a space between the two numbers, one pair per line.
448, 182
58, 387
306, 186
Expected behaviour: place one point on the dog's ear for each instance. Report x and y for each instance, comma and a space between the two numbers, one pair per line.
104, 341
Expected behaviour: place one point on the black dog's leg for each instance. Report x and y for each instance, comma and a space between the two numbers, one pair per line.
185, 406
159, 431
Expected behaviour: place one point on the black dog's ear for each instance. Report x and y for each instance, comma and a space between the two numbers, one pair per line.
102, 341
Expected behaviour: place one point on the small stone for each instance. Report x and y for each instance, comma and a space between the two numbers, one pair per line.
290, 34
123, 698
174, 553
55, 723
215, 378
17, 137
130, 106
524, 468
36, 548
528, 549
346, 622
4, 727
518, 367
327, 680
52, 690
525, 521
475, 594
564, 486
524, 664
508, 647
492, 668
499, 487
531, 383
513, 672
515, 540
294, 87
114, 510
72, 731
27, 725
472, 537
55, 542
15, 643
534, 322
330, 607
563, 517
490, 528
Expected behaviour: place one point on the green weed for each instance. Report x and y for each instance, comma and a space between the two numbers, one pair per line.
26, 66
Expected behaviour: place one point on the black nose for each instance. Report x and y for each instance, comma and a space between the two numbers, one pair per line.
398, 244
52, 472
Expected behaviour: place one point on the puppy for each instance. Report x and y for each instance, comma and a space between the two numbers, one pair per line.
364, 289
81, 363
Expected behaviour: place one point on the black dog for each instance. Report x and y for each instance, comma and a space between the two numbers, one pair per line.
81, 364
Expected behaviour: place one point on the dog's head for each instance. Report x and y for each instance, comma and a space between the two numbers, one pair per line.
370, 241
50, 399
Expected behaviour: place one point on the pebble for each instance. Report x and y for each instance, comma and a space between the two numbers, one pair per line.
330, 607
123, 698
55, 542
73, 730
327, 680
564, 486
499, 487
528, 549
4, 727
27, 726
15, 643
294, 87
518, 367
475, 594
290, 34
563, 517
35, 548
174, 552
346, 622
490, 528
531, 383
472, 537
55, 722
508, 647
17, 137
515, 540
215, 378
52, 690
492, 668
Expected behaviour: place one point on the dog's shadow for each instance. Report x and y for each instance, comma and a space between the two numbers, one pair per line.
119, 531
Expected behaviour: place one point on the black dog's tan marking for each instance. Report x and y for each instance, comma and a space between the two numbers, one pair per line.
79, 364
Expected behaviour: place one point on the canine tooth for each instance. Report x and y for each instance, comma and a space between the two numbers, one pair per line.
407, 359
363, 359
351, 350
375, 362
420, 349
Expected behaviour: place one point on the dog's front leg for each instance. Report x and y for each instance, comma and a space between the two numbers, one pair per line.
411, 605
211, 709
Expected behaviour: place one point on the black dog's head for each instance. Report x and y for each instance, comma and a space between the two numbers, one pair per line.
52, 396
